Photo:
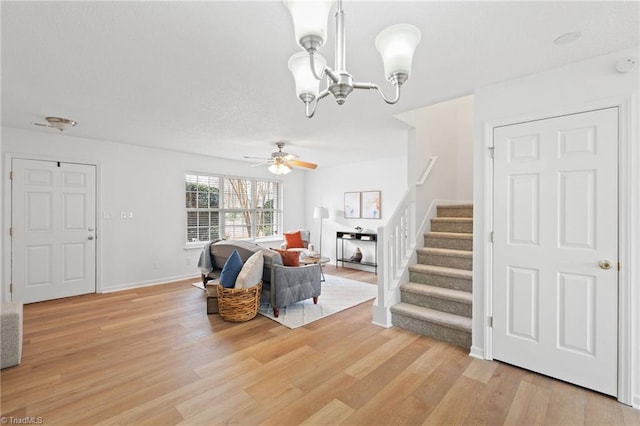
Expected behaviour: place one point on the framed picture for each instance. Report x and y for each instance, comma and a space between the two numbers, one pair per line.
352, 205
371, 205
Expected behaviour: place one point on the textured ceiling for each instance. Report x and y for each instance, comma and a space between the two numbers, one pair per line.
212, 77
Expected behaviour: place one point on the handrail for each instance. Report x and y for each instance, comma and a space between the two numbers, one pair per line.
427, 170
396, 247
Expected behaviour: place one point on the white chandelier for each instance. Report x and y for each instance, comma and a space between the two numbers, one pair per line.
396, 45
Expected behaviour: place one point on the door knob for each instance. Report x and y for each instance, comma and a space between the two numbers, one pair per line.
91, 238
605, 264
90, 228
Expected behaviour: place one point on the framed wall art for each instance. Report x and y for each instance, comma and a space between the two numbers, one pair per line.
352, 205
371, 205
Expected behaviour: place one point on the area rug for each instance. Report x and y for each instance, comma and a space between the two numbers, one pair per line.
199, 285
337, 295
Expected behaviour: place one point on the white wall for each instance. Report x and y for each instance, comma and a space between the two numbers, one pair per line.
326, 187
444, 130
150, 248
571, 88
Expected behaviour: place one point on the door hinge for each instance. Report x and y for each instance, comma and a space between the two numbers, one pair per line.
619, 266
491, 151
11, 175
11, 288
491, 236
490, 321
11, 231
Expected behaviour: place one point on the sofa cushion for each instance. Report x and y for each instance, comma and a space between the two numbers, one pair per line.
251, 272
231, 269
289, 258
293, 239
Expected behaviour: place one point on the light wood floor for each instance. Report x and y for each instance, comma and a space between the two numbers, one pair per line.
153, 356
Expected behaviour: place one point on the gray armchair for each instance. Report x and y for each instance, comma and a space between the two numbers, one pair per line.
283, 284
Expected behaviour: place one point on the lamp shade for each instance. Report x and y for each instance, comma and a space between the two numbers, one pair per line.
320, 212
396, 45
310, 19
306, 83
279, 169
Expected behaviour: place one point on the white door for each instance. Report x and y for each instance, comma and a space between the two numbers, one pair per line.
555, 289
53, 220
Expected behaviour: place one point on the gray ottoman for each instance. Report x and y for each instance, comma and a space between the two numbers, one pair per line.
10, 334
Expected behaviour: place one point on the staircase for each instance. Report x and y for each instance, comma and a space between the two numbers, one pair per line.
437, 300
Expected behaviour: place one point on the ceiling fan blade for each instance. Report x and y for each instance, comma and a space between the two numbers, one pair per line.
261, 164
257, 158
300, 163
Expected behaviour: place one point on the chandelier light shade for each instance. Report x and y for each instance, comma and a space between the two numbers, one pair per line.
279, 169
396, 45
310, 20
306, 83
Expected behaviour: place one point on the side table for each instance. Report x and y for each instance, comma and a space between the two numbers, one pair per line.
319, 260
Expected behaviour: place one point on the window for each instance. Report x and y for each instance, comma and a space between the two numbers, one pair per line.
231, 207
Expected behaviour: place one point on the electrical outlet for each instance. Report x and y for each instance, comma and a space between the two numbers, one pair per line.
123, 215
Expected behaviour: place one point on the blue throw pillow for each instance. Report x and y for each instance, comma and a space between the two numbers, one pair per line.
230, 270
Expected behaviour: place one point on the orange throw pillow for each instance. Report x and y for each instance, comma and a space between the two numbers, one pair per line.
293, 239
289, 258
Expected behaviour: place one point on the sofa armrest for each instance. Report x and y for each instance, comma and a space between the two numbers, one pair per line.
293, 284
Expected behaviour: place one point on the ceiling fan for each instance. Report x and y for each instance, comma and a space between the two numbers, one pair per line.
282, 162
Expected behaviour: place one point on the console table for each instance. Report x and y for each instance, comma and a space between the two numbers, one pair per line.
358, 237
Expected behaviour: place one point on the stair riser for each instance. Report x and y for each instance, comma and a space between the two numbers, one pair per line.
464, 263
462, 227
448, 243
442, 305
453, 283
444, 211
436, 331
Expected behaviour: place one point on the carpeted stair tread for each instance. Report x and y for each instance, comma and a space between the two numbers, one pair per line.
453, 219
445, 252
456, 206
452, 235
441, 270
433, 316
456, 210
439, 292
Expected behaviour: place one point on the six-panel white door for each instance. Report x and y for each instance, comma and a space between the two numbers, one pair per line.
555, 289
53, 222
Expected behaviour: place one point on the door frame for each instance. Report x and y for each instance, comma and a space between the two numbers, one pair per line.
6, 215
628, 207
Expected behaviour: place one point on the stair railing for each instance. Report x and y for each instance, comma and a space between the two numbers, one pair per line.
396, 248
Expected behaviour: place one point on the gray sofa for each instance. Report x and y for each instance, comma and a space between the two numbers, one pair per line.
284, 285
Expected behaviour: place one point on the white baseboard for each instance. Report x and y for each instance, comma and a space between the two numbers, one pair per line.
381, 316
476, 352
166, 280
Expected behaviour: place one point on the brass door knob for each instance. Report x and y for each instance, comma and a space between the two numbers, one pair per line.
605, 264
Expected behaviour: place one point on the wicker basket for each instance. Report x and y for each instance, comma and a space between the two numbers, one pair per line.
238, 305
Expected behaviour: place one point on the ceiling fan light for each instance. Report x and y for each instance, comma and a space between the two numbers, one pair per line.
279, 169
310, 19
396, 45
306, 83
